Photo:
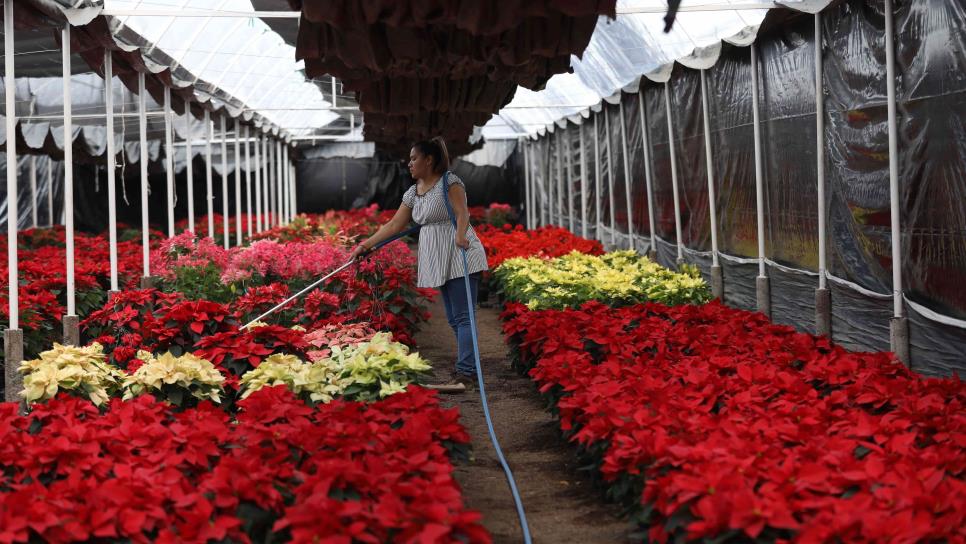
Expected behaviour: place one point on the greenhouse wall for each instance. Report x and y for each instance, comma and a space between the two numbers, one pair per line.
931, 103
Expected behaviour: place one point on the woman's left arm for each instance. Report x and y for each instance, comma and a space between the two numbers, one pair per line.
457, 197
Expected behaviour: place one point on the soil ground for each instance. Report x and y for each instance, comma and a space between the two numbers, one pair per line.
561, 503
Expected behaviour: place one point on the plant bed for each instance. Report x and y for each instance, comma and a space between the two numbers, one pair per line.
709, 423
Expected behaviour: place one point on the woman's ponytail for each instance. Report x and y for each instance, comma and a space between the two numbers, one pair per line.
435, 148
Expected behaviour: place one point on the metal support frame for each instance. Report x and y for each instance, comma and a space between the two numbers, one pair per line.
272, 161
717, 279
68, 176
648, 182
248, 181
674, 172
610, 178
209, 178
12, 336
111, 166
225, 220
569, 178
50, 192
597, 176
258, 182
278, 182
823, 302
763, 289
143, 159
189, 171
583, 182
33, 191
10, 99
238, 187
168, 161
899, 325
543, 162
627, 177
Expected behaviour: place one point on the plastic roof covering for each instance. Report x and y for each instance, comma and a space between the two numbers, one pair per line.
622, 50
244, 57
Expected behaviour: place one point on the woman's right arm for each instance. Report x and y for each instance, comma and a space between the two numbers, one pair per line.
394, 226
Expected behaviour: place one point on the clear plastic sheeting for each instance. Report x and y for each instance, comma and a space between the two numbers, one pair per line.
622, 50
241, 56
932, 172
49, 176
733, 148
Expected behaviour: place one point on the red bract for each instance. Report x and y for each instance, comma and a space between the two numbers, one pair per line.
507, 242
141, 472
719, 421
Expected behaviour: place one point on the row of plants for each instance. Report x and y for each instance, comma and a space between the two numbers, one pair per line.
277, 471
712, 424
307, 427
615, 278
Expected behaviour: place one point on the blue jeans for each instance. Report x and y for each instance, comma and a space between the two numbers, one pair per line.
458, 315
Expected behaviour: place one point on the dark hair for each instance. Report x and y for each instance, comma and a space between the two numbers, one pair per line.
435, 148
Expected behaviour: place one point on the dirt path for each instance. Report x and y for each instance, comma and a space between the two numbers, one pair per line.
560, 502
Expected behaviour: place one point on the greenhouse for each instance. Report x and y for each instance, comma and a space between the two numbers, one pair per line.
484, 271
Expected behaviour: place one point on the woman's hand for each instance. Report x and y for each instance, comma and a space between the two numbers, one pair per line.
358, 251
462, 241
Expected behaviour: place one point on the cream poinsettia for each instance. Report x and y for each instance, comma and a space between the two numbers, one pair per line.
79, 370
620, 277
165, 373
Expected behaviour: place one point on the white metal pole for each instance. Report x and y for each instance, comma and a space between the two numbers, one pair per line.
286, 202
531, 192
68, 172
143, 149
224, 182
269, 204
248, 181
275, 181
295, 204
278, 182
759, 178
209, 190
627, 178
10, 96
709, 160
258, 181
50, 192
33, 191
168, 161
583, 182
546, 212
820, 150
569, 179
646, 144
558, 181
674, 170
238, 186
597, 176
893, 163
189, 171
610, 179
111, 165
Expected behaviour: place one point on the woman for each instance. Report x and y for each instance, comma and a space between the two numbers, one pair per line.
440, 262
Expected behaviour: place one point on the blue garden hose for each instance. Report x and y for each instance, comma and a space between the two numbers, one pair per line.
470, 303
486, 408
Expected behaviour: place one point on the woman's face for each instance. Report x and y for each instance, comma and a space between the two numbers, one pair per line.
420, 166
